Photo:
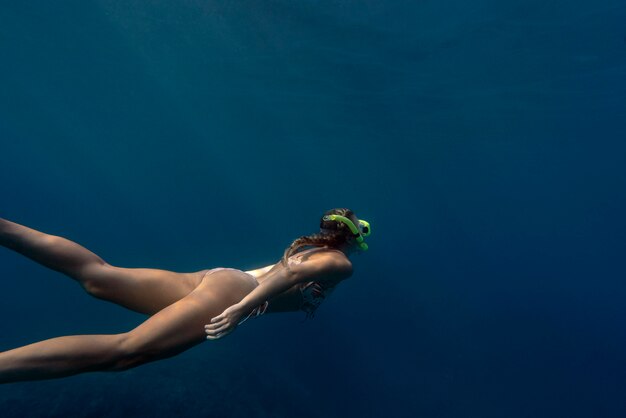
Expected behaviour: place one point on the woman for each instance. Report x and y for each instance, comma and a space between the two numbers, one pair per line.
179, 303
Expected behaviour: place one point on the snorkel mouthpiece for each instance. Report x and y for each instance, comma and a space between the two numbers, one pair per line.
363, 230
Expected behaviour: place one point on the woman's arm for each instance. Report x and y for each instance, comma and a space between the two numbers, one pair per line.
261, 271
327, 268
323, 268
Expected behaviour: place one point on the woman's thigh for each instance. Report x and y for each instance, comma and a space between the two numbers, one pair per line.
180, 325
142, 290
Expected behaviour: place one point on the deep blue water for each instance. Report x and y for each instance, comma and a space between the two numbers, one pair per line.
484, 141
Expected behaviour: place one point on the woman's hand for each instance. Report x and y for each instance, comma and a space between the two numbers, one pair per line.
224, 324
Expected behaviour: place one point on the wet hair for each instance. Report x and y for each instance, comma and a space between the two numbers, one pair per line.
332, 234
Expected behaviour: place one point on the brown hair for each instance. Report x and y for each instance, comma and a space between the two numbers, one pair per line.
332, 234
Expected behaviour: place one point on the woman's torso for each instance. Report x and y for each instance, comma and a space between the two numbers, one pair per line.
303, 296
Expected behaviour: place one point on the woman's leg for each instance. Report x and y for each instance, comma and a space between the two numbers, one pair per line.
176, 328
142, 290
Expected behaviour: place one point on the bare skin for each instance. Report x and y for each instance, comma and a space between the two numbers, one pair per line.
180, 304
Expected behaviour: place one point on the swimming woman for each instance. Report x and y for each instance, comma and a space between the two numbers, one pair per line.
185, 308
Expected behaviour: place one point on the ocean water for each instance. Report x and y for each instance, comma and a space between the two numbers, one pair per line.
484, 141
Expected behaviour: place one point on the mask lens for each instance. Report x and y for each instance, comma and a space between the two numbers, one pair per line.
364, 227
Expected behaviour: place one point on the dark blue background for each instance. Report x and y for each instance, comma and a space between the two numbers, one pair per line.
483, 140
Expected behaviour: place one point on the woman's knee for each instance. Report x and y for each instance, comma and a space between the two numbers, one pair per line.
94, 276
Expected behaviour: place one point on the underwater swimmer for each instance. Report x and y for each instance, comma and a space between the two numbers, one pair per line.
185, 308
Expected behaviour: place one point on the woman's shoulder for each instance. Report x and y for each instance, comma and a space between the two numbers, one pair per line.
325, 262
325, 253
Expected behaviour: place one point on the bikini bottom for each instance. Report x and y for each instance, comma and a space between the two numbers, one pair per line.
259, 310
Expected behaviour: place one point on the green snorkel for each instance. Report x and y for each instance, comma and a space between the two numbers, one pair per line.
358, 233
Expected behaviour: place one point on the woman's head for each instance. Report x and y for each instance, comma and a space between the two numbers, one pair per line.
329, 225
333, 233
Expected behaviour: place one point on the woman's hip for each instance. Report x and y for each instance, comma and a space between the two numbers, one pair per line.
228, 283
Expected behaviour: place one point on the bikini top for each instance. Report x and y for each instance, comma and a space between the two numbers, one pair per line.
313, 293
